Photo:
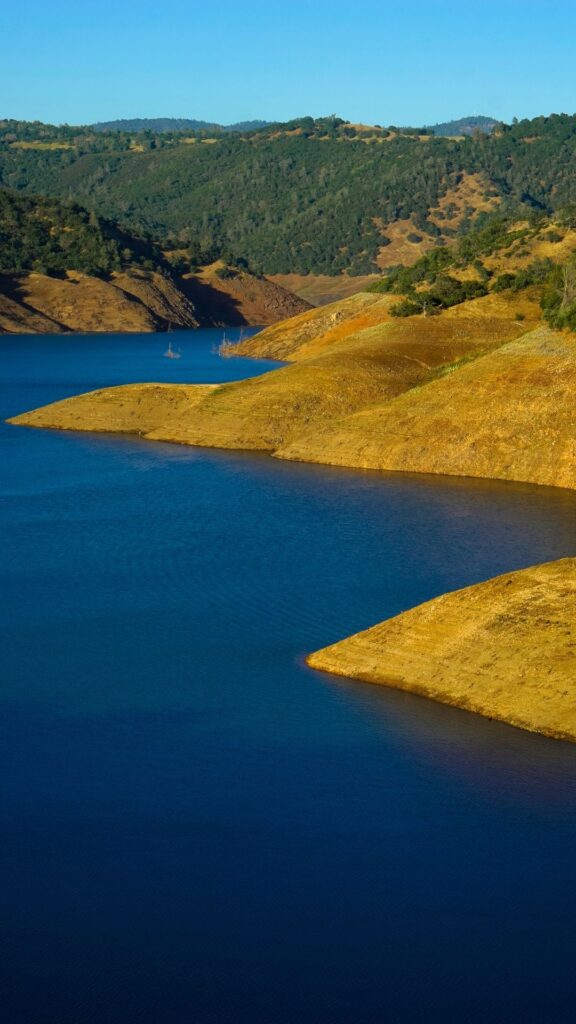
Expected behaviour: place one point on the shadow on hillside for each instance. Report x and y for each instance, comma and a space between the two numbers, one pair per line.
214, 308
13, 289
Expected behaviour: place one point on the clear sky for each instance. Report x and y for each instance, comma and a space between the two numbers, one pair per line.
416, 62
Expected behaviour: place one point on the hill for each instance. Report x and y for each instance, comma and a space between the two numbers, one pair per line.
63, 268
504, 649
174, 124
42, 234
465, 126
126, 301
313, 196
135, 299
230, 296
371, 389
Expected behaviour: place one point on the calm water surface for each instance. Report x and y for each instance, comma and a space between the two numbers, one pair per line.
194, 827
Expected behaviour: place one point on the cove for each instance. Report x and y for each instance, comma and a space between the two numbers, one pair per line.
194, 826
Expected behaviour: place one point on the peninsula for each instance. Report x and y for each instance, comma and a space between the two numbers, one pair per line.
505, 649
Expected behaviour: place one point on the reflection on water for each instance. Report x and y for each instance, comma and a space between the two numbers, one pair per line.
497, 762
196, 827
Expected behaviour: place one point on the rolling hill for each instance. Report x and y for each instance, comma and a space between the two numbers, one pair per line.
65, 269
319, 197
465, 125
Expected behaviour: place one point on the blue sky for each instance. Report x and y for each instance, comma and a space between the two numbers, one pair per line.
385, 62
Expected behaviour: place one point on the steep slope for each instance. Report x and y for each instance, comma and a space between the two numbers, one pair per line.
138, 300
129, 301
18, 318
224, 296
67, 269
161, 295
505, 649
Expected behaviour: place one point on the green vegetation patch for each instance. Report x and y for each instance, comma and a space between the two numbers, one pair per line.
50, 237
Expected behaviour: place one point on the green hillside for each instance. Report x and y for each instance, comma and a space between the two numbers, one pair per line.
465, 125
48, 236
310, 196
174, 124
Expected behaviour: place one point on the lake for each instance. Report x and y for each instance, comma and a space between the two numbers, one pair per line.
194, 826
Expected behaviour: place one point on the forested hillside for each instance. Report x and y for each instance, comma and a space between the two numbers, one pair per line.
173, 124
65, 268
50, 237
466, 126
312, 196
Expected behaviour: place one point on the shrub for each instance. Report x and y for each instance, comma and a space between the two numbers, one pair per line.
503, 282
406, 308
225, 273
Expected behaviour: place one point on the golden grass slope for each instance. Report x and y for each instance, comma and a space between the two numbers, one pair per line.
274, 410
241, 298
508, 415
132, 301
163, 299
505, 649
462, 395
128, 409
17, 318
285, 339
320, 289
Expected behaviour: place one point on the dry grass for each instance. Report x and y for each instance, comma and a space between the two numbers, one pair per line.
468, 194
500, 306
240, 299
400, 249
83, 303
285, 339
42, 145
275, 411
507, 415
470, 393
133, 301
320, 289
535, 246
505, 649
129, 409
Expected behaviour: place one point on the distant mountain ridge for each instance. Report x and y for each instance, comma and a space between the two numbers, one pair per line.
465, 125
174, 124
159, 125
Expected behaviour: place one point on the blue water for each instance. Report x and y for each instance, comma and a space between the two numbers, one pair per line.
194, 827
